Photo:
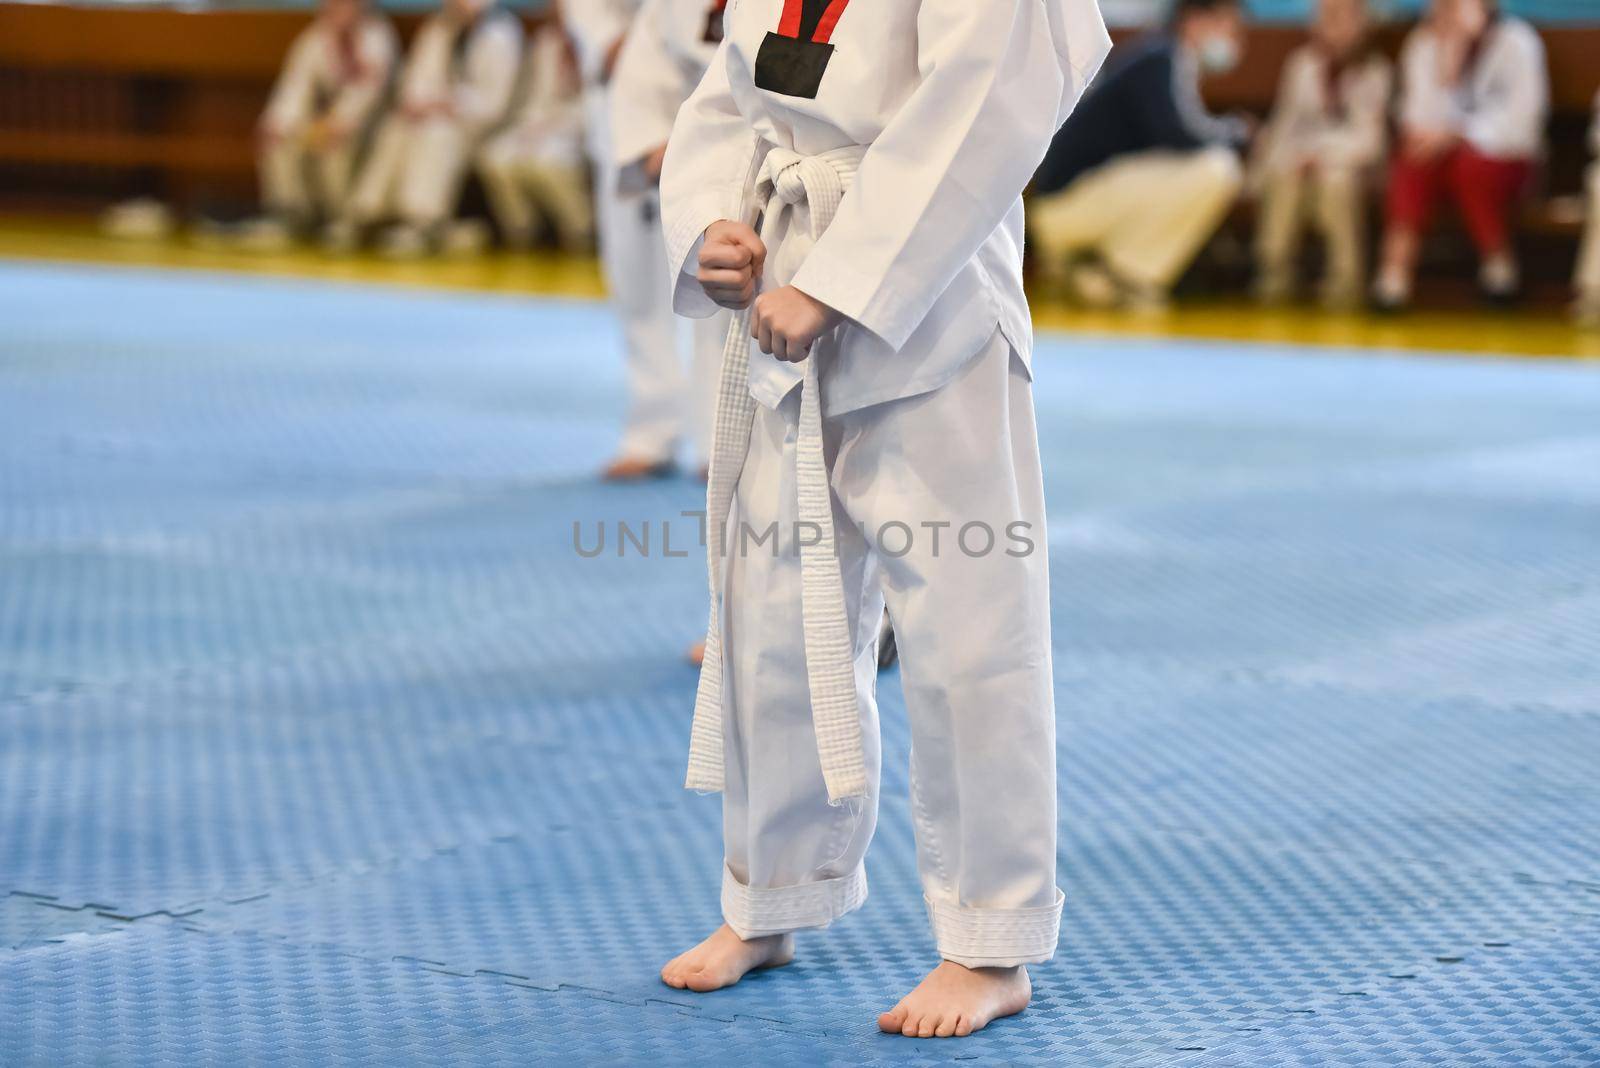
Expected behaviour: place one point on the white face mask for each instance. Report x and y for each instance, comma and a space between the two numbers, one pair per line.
1219, 54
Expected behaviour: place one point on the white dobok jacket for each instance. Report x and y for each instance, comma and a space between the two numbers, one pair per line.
1337, 118
943, 109
470, 69
1498, 107
547, 117
668, 49
325, 73
595, 25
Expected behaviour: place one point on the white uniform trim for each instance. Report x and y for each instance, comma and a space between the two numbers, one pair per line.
995, 938
754, 912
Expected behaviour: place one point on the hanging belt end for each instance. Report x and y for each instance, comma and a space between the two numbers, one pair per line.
703, 781
849, 789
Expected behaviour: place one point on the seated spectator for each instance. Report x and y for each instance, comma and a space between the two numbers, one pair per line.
1587, 309
1474, 95
1142, 174
1319, 149
322, 107
533, 170
456, 87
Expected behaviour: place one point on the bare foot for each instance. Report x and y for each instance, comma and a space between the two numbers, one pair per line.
696, 654
724, 958
634, 469
956, 1000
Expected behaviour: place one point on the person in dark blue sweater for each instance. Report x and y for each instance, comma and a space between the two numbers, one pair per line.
1142, 173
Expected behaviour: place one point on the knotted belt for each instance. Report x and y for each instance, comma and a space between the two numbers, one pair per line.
818, 182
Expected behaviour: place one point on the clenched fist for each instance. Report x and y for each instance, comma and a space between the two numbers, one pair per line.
731, 259
786, 321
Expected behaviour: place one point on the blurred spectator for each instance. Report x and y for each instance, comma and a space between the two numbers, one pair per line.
534, 169
1320, 148
456, 87
1142, 174
632, 253
1587, 310
321, 109
1474, 96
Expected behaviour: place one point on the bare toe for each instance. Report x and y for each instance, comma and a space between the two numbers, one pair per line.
963, 1027
946, 1028
926, 1028
889, 1022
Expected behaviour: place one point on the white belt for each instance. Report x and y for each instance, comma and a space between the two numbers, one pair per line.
819, 182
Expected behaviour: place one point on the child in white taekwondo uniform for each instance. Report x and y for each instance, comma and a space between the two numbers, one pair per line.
876, 441
667, 51
534, 170
325, 99
1587, 279
1318, 156
455, 88
632, 256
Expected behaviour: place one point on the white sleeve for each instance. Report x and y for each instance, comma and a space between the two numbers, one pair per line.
377, 45
1277, 146
1516, 96
711, 156
997, 79
290, 104
484, 96
595, 26
1424, 103
415, 75
1359, 140
646, 89
545, 77
1082, 44
1202, 126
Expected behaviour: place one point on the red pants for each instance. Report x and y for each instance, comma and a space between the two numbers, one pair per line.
1484, 188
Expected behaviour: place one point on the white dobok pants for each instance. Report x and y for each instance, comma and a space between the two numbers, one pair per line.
528, 188
1332, 199
1587, 278
300, 183
1147, 215
973, 624
414, 172
633, 256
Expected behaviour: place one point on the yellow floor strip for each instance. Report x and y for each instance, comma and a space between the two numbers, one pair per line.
1538, 333
544, 274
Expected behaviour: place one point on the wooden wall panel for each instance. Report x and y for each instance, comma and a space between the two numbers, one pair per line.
164, 101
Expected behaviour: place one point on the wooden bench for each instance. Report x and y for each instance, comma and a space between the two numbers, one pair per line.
99, 102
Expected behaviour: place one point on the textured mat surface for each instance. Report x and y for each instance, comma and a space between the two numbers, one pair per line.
319, 742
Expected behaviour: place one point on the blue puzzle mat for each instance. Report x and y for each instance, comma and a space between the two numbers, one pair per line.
319, 742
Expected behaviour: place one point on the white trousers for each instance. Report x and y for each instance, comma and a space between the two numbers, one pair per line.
301, 183
1147, 215
1587, 279
633, 255
414, 172
1334, 201
919, 487
527, 190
